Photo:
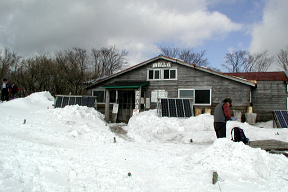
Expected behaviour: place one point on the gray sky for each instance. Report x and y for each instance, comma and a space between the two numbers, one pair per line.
29, 26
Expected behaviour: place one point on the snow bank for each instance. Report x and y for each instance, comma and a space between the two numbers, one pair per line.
147, 126
35, 100
239, 162
83, 122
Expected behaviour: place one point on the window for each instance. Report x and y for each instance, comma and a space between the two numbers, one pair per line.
100, 96
202, 96
169, 73
186, 93
160, 74
199, 96
154, 74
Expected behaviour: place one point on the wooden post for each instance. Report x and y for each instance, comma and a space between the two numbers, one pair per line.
214, 177
138, 99
107, 105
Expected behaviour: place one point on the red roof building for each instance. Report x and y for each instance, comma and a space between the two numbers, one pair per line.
261, 76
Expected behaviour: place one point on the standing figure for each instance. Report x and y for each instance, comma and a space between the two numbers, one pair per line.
222, 114
4, 90
13, 89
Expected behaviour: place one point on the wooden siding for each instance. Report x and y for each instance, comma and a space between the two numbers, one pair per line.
269, 96
191, 78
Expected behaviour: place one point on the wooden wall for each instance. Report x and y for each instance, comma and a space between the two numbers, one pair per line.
269, 96
191, 78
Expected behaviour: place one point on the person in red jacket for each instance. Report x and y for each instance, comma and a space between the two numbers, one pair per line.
222, 113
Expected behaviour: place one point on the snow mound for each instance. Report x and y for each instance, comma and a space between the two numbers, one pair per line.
84, 123
76, 112
36, 100
148, 127
238, 161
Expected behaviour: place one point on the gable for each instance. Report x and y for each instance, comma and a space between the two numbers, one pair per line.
139, 71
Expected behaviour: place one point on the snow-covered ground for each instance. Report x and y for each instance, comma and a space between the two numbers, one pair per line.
43, 149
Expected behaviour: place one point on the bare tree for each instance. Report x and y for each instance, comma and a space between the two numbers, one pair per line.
35, 74
72, 64
8, 62
187, 55
258, 62
236, 61
243, 61
282, 58
106, 61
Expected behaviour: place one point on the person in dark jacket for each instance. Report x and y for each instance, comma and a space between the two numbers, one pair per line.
13, 89
222, 114
4, 90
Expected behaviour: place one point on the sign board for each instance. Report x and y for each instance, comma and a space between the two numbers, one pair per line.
161, 64
137, 99
155, 94
115, 108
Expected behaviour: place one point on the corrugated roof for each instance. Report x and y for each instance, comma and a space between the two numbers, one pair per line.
261, 76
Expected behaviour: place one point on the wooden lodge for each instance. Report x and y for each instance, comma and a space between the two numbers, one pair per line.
139, 87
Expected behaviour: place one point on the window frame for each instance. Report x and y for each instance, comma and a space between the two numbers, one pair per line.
161, 73
193, 98
104, 90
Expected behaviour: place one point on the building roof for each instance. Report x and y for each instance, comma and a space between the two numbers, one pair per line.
174, 60
262, 76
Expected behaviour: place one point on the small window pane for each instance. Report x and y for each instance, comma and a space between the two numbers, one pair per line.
99, 96
202, 96
150, 74
166, 74
157, 74
173, 74
186, 94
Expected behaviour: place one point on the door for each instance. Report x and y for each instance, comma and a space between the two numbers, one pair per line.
126, 100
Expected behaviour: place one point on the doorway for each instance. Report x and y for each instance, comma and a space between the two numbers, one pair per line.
126, 100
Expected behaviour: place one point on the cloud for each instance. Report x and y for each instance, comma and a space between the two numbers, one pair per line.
29, 26
271, 33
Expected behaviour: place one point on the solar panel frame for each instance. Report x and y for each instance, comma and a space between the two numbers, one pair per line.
180, 108
78, 101
187, 108
72, 101
285, 115
164, 108
281, 118
65, 101
172, 108
58, 102
175, 107
91, 102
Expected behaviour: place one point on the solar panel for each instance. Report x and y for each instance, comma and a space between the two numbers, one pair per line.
172, 108
63, 100
79, 101
281, 118
180, 107
72, 101
85, 101
58, 101
187, 108
175, 108
91, 102
164, 108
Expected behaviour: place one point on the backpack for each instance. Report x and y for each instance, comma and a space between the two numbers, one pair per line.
239, 135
